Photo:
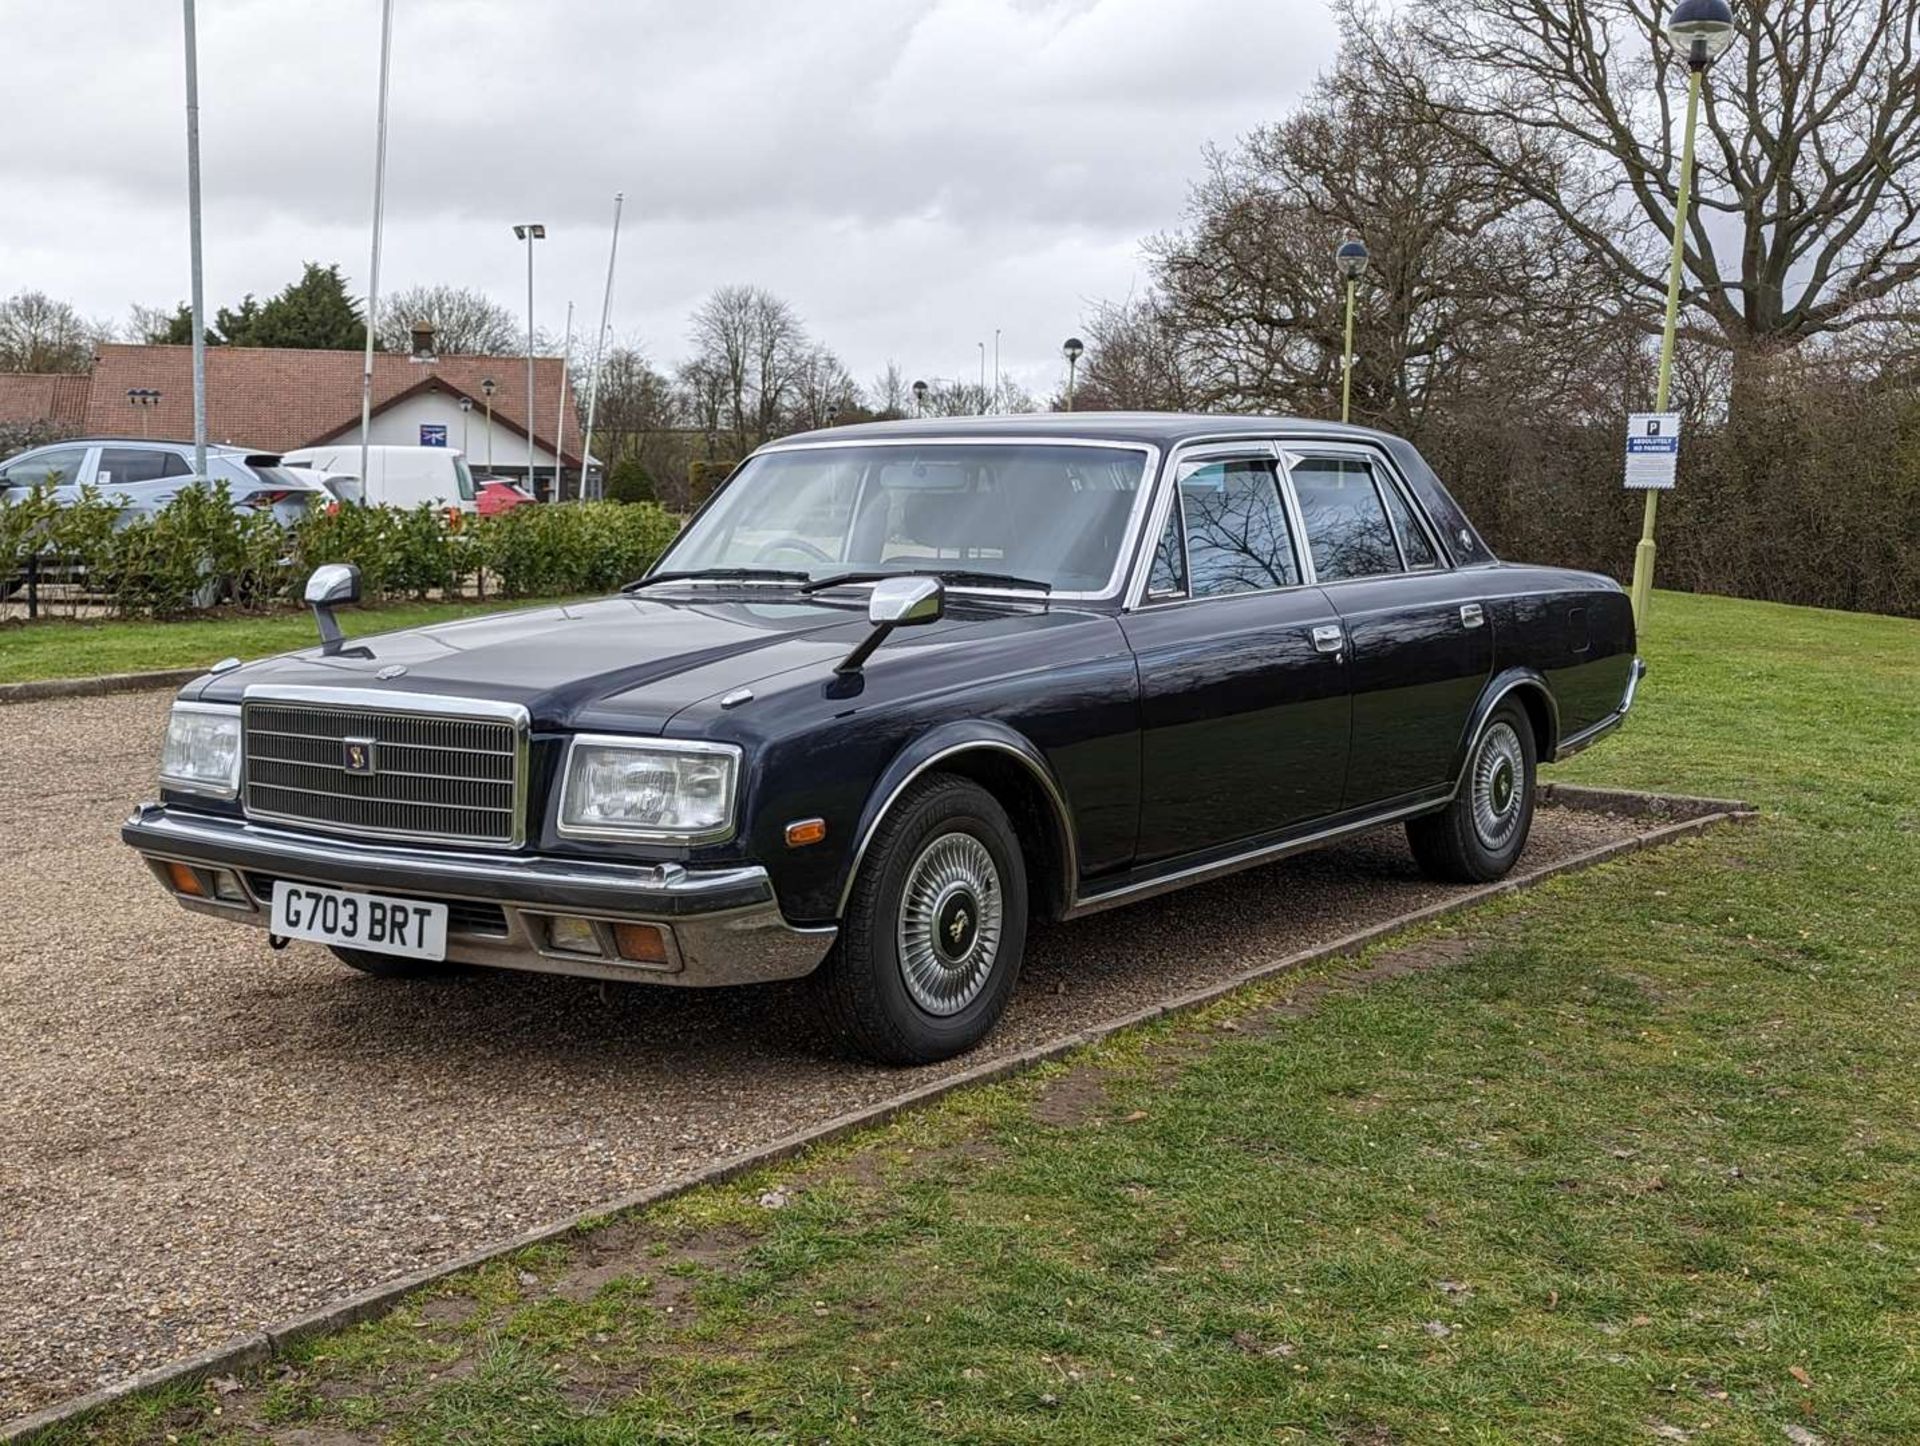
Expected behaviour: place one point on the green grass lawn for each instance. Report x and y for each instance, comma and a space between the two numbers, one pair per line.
66, 649
1638, 1164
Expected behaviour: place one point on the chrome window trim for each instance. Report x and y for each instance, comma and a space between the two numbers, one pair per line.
1214, 449
200, 788
1116, 579
720, 833
375, 700
1294, 451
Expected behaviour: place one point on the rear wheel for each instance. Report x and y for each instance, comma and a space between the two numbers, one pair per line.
1479, 836
935, 929
393, 966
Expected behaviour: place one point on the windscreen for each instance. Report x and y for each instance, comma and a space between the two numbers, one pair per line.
1054, 514
465, 478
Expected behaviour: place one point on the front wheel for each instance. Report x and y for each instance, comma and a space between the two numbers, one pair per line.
1479, 836
935, 929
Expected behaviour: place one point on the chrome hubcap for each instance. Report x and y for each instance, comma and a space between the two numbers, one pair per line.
950, 921
1498, 773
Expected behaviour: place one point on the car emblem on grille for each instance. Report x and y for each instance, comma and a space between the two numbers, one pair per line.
392, 670
356, 755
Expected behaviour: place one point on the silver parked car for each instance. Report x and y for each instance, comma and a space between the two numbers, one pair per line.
147, 475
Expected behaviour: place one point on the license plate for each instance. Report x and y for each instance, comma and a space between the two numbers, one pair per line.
363, 921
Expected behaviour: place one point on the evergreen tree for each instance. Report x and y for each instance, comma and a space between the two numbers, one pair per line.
314, 312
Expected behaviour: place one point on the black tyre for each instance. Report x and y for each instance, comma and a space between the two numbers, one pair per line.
935, 929
392, 966
1480, 835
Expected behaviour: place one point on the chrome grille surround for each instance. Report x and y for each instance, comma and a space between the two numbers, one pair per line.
446, 770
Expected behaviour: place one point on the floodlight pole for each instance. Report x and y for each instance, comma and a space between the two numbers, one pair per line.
193, 241
1346, 356
599, 351
560, 416
379, 213
1644, 554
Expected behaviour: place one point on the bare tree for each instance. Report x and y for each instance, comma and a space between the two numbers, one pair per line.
1137, 360
890, 396
751, 342
823, 392
1807, 197
39, 334
465, 322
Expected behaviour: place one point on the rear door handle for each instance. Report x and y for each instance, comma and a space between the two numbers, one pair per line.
1472, 615
1329, 638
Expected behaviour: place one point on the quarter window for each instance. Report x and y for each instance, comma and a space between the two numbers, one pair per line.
1236, 533
1415, 546
1347, 526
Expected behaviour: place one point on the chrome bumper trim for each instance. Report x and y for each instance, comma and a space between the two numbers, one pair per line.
1588, 736
723, 926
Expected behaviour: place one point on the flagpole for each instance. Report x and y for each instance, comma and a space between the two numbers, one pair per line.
379, 214
599, 352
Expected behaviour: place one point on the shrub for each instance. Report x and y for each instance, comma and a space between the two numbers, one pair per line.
630, 482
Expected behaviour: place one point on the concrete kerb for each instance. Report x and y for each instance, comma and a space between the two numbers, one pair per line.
1690, 816
42, 689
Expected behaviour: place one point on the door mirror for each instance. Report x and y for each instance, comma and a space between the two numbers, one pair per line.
332, 585
898, 602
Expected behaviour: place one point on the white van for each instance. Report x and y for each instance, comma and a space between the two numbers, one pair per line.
396, 476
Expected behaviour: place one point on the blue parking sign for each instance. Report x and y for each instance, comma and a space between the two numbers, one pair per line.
433, 434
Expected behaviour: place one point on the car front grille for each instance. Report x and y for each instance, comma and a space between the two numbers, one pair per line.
386, 773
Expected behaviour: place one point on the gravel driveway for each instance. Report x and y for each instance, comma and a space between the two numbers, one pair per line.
203, 1137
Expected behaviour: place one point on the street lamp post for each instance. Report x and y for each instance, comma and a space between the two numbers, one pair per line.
996, 371
1351, 258
1701, 30
529, 233
486, 390
919, 399
983, 378
466, 410
1071, 349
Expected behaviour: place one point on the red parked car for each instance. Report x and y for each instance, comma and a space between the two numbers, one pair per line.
496, 494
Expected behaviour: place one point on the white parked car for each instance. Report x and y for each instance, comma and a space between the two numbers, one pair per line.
396, 476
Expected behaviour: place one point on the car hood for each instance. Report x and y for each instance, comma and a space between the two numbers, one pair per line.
626, 662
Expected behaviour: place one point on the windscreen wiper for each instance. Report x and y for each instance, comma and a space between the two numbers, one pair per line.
961, 575
720, 574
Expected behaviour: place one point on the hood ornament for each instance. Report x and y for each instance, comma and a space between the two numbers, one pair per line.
392, 670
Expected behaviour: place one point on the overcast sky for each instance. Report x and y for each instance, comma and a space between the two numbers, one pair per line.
910, 174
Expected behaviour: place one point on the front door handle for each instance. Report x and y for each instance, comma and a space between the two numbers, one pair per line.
1472, 615
1329, 638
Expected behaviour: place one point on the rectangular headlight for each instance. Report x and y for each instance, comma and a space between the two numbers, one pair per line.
657, 790
202, 751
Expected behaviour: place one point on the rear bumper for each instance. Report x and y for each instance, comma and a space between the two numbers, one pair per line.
722, 926
1589, 736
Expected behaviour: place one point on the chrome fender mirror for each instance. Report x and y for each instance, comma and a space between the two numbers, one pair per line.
332, 585
897, 602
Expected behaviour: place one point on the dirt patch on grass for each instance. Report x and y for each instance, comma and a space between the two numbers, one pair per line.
1074, 1098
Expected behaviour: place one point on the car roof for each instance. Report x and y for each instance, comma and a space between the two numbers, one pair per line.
140, 442
1159, 428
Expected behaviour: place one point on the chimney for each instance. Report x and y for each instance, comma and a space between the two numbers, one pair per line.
422, 340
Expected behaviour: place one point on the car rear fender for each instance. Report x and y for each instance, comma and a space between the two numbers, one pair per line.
1530, 689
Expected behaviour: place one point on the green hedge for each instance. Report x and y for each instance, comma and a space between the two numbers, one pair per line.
197, 552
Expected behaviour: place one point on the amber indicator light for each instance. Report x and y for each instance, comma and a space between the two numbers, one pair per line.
185, 880
806, 831
641, 943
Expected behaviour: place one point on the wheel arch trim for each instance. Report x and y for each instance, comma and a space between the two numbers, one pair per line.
941, 746
1524, 681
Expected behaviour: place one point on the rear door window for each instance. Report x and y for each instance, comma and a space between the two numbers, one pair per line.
122, 465
1347, 524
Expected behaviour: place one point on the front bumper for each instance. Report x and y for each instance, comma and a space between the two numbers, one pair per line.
722, 926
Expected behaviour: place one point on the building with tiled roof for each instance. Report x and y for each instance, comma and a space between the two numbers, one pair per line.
275, 399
